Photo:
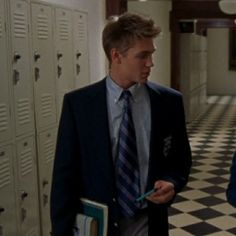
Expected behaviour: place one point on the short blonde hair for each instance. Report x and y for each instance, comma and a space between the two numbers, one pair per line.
122, 31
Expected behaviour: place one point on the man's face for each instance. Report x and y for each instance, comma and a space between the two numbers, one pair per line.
136, 63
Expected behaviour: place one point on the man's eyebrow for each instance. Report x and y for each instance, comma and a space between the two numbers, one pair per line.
147, 51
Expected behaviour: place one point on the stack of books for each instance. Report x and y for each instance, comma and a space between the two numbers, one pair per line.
93, 220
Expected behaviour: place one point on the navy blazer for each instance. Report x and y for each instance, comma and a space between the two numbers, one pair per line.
84, 167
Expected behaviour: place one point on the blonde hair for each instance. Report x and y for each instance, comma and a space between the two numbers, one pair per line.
122, 31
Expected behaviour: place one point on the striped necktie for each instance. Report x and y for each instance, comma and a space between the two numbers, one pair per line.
127, 167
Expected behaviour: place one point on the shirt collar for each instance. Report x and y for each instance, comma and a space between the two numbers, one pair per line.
115, 90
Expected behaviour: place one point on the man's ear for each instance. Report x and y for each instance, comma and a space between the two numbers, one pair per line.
115, 56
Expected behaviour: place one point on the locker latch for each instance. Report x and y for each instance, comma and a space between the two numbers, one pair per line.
16, 76
36, 73
23, 195
17, 56
36, 56
59, 71
23, 214
2, 209
59, 55
78, 54
45, 199
77, 69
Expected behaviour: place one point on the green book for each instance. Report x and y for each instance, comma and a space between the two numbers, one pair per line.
93, 220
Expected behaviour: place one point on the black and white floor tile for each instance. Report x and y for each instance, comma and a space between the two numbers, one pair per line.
201, 209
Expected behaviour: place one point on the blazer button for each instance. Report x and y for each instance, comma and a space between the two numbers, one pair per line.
113, 199
115, 224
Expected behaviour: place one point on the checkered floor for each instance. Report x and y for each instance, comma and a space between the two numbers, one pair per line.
202, 209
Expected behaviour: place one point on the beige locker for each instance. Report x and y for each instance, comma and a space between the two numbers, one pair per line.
43, 65
81, 54
8, 226
46, 150
20, 66
5, 119
193, 73
27, 189
64, 54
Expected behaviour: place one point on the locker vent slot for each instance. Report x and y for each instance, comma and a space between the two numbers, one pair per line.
63, 29
46, 102
1, 27
3, 117
81, 31
5, 174
26, 162
49, 151
23, 111
42, 27
20, 28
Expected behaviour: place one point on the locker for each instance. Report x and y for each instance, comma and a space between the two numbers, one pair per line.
27, 190
81, 55
20, 66
193, 73
43, 65
64, 54
46, 150
8, 225
5, 119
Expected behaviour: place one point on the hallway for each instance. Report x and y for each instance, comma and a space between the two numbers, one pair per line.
201, 209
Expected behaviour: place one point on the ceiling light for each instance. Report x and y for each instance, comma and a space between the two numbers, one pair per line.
228, 6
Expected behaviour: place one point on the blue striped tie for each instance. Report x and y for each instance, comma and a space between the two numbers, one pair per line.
127, 168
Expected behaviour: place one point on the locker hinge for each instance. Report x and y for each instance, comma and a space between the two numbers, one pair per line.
5, 26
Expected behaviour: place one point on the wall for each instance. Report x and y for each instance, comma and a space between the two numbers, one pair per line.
96, 21
159, 11
221, 80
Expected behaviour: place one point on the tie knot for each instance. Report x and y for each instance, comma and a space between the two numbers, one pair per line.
126, 94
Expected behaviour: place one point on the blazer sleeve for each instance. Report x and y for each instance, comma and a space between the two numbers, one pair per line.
231, 189
65, 184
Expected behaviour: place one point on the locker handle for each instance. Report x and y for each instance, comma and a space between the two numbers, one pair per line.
16, 76
2, 154
78, 54
23, 195
59, 55
2, 209
45, 199
17, 56
36, 73
36, 56
77, 69
59, 71
45, 182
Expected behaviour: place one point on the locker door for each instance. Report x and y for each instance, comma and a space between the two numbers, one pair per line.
43, 65
80, 40
7, 196
5, 122
64, 54
47, 141
27, 190
21, 70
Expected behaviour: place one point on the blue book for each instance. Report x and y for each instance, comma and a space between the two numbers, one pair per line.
93, 220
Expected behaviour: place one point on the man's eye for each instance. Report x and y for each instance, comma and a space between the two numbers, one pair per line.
143, 56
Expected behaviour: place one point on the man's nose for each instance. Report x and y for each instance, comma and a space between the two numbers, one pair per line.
149, 62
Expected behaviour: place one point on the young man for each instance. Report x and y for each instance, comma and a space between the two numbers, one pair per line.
90, 147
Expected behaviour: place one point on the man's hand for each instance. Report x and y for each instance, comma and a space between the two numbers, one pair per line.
164, 192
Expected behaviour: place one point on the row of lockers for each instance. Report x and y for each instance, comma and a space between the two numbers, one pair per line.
43, 54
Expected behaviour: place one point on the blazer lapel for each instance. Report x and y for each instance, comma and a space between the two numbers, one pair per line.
98, 111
